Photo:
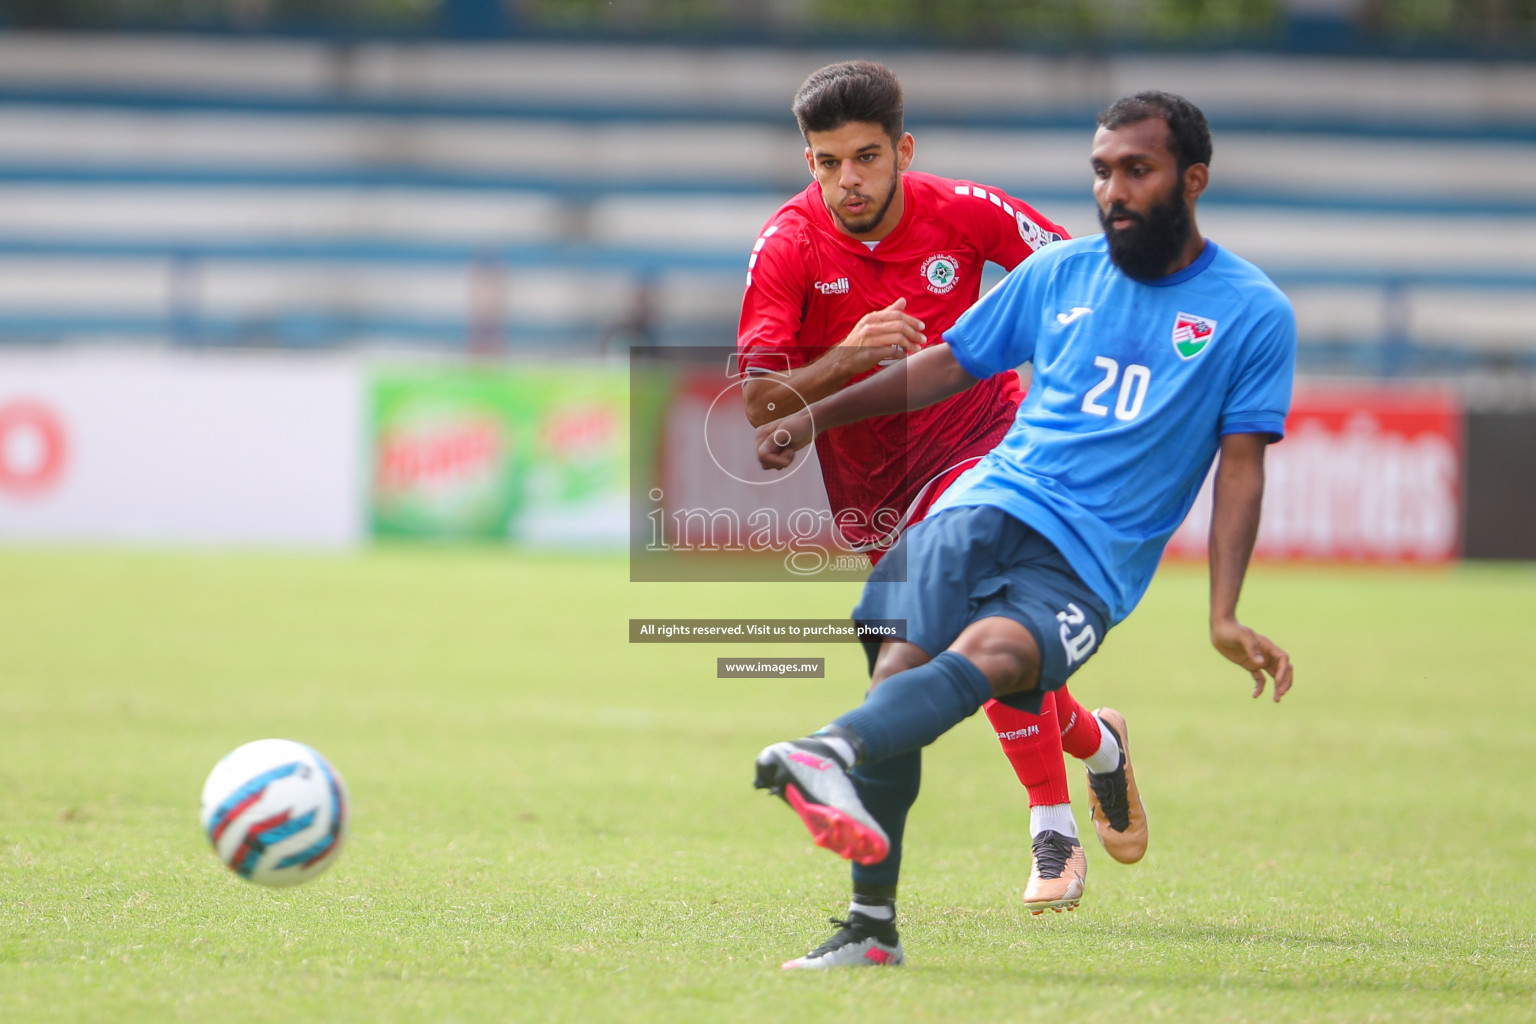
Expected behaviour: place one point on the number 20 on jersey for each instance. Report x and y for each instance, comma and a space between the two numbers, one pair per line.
1133, 389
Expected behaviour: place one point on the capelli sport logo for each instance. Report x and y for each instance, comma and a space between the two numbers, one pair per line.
941, 272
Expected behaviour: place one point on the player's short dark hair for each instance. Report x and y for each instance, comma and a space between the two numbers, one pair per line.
855, 90
1189, 134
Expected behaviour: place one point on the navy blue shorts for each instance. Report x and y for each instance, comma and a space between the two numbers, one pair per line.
966, 564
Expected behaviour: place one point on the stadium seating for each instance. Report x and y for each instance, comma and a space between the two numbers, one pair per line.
202, 191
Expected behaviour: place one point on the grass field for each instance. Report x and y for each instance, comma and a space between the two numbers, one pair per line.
551, 824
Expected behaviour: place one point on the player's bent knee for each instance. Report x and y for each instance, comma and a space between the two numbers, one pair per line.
896, 656
1004, 651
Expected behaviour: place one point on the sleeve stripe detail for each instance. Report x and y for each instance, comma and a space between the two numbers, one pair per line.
1019, 216
762, 240
1274, 428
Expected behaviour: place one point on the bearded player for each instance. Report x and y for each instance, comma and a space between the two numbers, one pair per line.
870, 263
1155, 351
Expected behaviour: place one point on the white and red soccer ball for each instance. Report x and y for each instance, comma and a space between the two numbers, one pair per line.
275, 811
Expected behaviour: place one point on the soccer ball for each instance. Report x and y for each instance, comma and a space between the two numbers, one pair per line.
275, 811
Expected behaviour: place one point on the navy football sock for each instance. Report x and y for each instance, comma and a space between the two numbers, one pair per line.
911, 709
888, 789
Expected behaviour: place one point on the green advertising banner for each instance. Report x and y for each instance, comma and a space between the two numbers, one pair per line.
529, 454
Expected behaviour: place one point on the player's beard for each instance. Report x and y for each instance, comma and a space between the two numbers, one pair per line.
1154, 241
870, 220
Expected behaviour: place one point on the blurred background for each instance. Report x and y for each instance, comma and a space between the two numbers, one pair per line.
275, 271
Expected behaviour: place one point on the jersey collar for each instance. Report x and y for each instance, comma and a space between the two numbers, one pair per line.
1179, 277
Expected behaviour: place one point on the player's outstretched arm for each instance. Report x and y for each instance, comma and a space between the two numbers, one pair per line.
1239, 494
883, 334
932, 375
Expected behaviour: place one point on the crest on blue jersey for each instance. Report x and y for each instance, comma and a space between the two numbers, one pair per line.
1191, 334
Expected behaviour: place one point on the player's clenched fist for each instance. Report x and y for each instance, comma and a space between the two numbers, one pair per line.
778, 441
885, 334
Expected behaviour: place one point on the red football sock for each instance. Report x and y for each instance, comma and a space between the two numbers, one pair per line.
1033, 746
1079, 729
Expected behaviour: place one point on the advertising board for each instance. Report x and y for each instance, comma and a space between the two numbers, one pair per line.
1368, 474
535, 454
179, 448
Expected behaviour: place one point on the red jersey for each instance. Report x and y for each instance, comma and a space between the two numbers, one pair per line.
809, 283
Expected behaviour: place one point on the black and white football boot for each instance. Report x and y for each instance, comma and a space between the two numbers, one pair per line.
860, 941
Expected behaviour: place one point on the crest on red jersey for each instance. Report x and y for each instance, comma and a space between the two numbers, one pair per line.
1191, 334
940, 272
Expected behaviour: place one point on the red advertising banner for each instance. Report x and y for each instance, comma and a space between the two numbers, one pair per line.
701, 506
33, 447
716, 494
1363, 475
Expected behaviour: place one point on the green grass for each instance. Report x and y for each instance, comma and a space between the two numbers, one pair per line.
551, 824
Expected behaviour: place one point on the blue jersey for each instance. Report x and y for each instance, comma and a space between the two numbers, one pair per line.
1135, 382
